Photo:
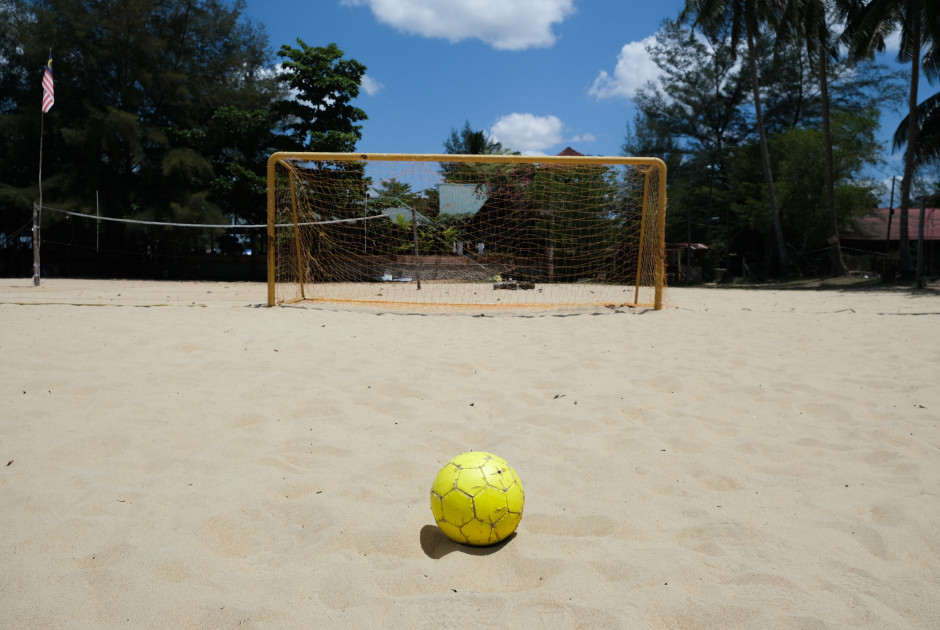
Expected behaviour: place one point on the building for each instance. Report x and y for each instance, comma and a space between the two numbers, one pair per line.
877, 235
874, 226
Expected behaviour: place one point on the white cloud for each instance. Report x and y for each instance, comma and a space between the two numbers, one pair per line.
503, 24
584, 137
893, 42
634, 68
293, 94
527, 133
270, 73
370, 85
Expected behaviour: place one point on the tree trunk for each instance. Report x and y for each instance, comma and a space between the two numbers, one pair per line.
838, 263
765, 157
919, 274
903, 235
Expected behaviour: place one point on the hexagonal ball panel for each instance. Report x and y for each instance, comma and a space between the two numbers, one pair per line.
490, 504
457, 508
470, 481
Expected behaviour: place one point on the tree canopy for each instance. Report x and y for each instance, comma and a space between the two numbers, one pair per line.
165, 110
321, 117
699, 116
470, 142
918, 21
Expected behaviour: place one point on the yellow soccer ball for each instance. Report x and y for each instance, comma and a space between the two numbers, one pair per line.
477, 499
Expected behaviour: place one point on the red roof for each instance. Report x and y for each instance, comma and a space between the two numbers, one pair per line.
569, 151
874, 226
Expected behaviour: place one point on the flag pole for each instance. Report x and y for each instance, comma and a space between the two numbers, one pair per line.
48, 98
37, 210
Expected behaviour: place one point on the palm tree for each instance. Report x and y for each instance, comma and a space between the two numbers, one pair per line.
919, 22
927, 147
807, 20
470, 142
746, 17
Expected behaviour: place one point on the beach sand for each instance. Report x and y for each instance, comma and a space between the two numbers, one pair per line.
175, 455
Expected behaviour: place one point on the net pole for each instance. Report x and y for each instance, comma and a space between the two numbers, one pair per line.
642, 243
660, 269
414, 231
300, 259
272, 165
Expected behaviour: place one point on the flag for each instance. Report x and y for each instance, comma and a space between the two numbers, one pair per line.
48, 95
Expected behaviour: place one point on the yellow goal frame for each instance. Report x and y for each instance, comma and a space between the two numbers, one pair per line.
648, 162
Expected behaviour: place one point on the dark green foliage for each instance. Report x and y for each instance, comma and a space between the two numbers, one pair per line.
701, 94
927, 145
138, 85
700, 118
470, 142
868, 24
321, 117
166, 110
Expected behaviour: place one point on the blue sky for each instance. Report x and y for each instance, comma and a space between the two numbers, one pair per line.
522, 70
539, 75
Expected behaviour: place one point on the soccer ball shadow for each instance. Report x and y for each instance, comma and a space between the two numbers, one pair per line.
436, 544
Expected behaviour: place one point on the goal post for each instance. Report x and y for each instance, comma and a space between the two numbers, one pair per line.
450, 231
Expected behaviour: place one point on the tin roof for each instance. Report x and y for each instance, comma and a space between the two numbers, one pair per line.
874, 226
461, 198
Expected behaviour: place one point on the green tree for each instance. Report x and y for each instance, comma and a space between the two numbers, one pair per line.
695, 117
436, 233
19, 129
701, 91
919, 22
803, 177
391, 193
141, 87
801, 182
692, 117
321, 116
647, 135
808, 20
238, 139
927, 143
746, 17
470, 142
576, 219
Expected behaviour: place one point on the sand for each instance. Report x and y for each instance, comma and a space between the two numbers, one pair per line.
175, 455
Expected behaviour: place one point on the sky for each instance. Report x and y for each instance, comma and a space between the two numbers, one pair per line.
537, 75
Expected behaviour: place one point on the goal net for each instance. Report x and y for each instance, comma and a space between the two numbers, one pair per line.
450, 231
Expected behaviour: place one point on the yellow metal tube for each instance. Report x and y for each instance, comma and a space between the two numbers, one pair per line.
272, 163
660, 270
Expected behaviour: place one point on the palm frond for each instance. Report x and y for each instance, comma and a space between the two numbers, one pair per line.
927, 144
